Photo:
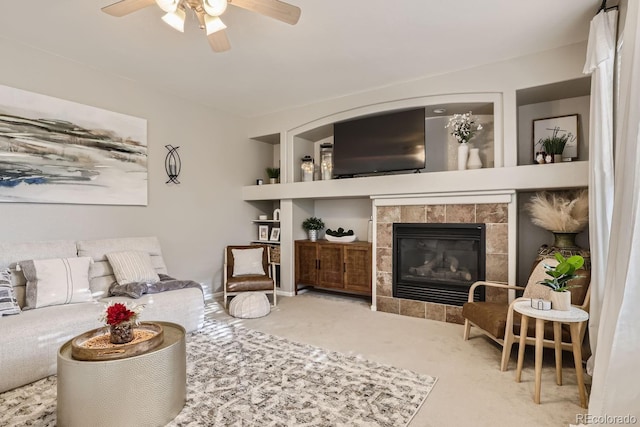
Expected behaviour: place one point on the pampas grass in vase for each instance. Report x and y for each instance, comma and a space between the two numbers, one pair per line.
560, 212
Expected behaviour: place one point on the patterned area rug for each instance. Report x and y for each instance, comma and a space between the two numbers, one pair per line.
241, 377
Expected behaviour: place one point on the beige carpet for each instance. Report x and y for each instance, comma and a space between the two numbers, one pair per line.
471, 390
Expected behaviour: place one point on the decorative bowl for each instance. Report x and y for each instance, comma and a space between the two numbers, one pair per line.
343, 239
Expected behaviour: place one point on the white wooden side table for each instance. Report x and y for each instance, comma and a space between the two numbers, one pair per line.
574, 318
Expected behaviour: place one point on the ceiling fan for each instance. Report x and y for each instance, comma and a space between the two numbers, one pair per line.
208, 13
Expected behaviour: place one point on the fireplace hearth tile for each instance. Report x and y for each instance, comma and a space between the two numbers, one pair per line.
384, 285
384, 235
454, 314
436, 213
465, 214
384, 260
435, 311
492, 213
413, 308
413, 214
497, 238
389, 214
388, 305
497, 268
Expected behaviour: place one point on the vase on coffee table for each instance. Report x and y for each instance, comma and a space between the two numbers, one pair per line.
121, 333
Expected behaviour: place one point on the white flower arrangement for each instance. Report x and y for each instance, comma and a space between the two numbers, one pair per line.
463, 127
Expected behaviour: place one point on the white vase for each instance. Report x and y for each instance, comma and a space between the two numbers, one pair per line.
463, 154
474, 161
313, 235
560, 300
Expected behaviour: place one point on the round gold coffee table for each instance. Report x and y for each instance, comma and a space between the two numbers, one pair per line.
149, 389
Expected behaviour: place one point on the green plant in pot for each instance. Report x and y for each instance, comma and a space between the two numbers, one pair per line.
273, 174
554, 145
560, 275
312, 226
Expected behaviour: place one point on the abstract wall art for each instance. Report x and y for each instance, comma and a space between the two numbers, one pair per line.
57, 151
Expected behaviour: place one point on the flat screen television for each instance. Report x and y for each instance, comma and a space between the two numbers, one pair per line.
383, 143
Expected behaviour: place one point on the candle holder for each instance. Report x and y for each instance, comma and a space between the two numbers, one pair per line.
307, 168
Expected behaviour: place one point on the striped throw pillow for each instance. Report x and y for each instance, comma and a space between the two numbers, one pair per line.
56, 281
132, 267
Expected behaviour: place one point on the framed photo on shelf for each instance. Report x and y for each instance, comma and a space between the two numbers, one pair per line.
561, 126
275, 234
263, 232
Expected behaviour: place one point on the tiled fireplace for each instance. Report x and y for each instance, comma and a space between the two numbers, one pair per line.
492, 211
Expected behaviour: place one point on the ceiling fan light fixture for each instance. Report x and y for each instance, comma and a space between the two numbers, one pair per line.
168, 6
176, 19
213, 24
214, 7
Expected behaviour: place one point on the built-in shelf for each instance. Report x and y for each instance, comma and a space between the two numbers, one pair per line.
519, 178
265, 242
265, 221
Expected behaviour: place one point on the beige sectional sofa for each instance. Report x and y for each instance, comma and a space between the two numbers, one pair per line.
29, 341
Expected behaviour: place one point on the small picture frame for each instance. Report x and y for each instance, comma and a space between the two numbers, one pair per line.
564, 125
275, 234
263, 232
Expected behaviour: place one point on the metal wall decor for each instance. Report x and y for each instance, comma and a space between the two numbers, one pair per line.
172, 164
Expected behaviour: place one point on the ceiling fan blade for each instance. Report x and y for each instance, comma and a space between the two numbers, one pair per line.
125, 7
219, 41
275, 9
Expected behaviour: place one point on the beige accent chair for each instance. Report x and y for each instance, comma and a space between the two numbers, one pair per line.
234, 285
501, 323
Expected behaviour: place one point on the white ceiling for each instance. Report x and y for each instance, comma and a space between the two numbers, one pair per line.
338, 47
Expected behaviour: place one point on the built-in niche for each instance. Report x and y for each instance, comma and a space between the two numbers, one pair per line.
441, 147
553, 100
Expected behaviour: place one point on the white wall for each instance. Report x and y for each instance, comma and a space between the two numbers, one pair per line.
193, 220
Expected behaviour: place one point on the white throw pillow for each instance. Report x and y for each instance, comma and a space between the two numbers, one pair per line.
8, 301
132, 267
247, 262
56, 281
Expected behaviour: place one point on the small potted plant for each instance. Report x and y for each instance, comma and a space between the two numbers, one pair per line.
273, 174
554, 146
121, 319
561, 274
312, 226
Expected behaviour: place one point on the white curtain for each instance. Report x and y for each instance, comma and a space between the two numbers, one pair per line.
616, 381
600, 61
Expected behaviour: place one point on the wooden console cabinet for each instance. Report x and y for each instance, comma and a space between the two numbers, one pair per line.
342, 267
